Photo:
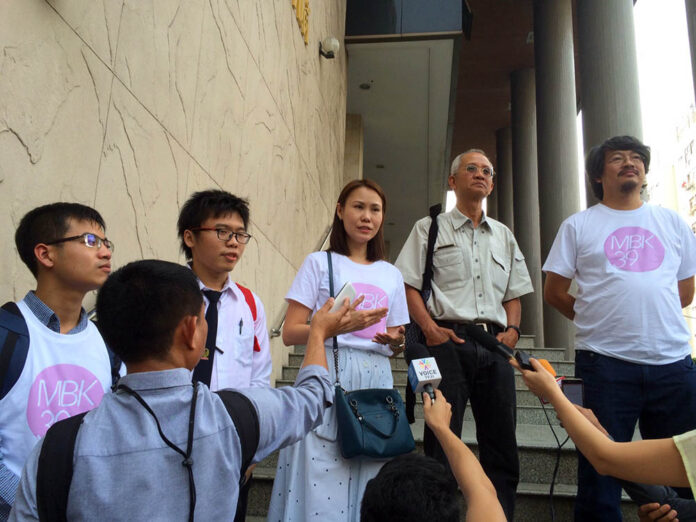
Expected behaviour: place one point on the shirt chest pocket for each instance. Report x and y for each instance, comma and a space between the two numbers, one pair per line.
500, 271
449, 269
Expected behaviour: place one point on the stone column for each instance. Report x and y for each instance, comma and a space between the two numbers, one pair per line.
526, 195
503, 177
608, 72
556, 112
691, 23
492, 204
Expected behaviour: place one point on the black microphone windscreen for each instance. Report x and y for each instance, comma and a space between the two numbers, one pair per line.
479, 334
416, 351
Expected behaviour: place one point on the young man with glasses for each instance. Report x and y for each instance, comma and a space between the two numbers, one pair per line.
212, 227
53, 361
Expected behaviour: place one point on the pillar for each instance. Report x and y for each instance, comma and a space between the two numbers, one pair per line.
503, 177
556, 112
526, 195
608, 72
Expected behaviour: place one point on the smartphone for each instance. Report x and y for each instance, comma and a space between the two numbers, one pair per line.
346, 291
574, 390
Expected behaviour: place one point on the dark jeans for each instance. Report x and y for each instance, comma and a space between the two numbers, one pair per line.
470, 372
240, 515
662, 399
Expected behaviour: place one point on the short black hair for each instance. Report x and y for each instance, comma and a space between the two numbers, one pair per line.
140, 305
594, 161
205, 204
432, 492
48, 223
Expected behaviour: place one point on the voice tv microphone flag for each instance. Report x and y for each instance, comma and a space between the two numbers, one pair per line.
423, 373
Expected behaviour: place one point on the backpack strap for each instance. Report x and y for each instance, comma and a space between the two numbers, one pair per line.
251, 303
55, 470
246, 421
14, 345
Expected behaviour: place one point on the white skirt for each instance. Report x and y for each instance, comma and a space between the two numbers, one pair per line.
313, 481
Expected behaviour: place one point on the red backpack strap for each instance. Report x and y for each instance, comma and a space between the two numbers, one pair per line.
249, 298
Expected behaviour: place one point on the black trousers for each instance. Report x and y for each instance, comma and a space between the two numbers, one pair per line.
472, 373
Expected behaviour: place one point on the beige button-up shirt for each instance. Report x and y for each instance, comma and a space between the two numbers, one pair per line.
475, 270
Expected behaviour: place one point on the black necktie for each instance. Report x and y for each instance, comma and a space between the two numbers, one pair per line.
205, 366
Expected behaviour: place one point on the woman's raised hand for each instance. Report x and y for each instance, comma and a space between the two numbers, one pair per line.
356, 320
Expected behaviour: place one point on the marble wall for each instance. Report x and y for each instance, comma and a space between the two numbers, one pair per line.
131, 105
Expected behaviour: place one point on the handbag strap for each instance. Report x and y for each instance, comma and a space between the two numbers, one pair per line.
335, 339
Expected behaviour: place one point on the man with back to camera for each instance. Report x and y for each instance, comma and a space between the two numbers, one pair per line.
213, 230
152, 315
53, 361
479, 275
634, 265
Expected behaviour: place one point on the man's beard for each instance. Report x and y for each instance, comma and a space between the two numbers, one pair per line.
628, 186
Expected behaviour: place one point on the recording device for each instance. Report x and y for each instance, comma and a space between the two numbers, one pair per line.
348, 291
491, 343
573, 389
423, 373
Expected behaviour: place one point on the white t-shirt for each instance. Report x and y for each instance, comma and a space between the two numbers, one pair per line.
627, 264
686, 444
380, 283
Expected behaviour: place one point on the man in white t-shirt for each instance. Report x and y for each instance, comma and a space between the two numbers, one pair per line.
634, 265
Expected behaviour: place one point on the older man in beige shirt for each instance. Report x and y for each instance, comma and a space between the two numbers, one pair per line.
479, 275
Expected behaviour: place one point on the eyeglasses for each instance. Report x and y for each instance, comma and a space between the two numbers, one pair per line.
486, 171
91, 240
226, 235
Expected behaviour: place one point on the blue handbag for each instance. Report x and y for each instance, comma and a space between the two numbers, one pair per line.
370, 422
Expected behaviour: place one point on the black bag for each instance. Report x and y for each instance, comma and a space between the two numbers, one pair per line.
414, 334
370, 422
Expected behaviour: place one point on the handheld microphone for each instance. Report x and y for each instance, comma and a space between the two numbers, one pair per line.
423, 373
490, 342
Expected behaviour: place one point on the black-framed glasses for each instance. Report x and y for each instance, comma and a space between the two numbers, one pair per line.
91, 240
226, 235
486, 171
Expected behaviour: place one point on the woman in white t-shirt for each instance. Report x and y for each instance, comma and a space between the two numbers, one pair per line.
313, 481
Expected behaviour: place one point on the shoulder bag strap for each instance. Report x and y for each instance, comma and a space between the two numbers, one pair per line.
335, 339
55, 470
432, 237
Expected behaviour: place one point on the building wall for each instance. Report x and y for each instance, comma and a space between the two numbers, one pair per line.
131, 105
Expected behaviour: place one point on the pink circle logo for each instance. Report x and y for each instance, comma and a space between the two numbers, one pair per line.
59, 392
374, 298
634, 249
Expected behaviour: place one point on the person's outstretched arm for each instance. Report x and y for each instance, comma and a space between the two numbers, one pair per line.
481, 499
656, 461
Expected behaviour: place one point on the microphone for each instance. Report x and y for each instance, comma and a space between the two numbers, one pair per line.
423, 373
491, 343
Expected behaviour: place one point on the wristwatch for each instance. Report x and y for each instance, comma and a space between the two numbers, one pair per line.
513, 327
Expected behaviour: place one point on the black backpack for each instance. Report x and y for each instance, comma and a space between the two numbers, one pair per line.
55, 469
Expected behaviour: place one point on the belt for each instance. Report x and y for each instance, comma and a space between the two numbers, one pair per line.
491, 328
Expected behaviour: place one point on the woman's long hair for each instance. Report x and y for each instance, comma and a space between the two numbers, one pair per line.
338, 241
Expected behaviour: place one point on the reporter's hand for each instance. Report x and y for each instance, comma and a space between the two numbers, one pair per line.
539, 381
438, 414
656, 512
440, 335
590, 416
326, 323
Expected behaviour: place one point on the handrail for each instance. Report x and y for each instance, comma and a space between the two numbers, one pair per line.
275, 332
